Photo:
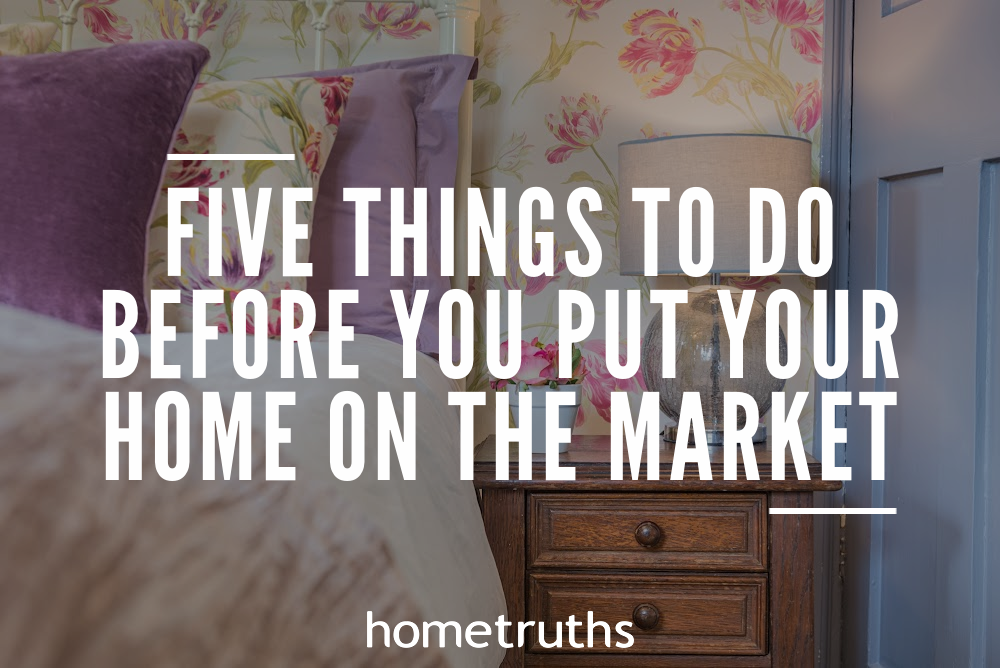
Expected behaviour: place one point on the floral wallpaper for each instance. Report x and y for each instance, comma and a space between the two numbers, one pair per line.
562, 83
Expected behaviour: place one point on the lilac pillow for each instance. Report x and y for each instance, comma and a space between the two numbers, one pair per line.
85, 136
400, 131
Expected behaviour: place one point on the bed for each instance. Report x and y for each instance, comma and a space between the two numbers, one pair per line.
235, 572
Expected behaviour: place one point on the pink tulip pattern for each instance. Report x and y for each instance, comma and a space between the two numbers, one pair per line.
395, 20
103, 22
661, 53
664, 50
808, 107
392, 20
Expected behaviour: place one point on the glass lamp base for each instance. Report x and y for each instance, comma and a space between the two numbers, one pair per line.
714, 436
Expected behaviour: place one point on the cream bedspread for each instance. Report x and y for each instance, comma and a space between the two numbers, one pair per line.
237, 573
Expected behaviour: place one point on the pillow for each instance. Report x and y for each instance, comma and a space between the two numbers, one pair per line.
270, 116
401, 132
23, 39
86, 134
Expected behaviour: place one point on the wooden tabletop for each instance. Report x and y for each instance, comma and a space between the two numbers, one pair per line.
590, 455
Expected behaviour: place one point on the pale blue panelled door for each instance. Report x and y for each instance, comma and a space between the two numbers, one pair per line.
923, 587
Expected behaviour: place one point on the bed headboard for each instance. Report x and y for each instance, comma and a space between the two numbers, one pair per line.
457, 29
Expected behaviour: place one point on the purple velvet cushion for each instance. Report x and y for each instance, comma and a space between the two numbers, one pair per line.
400, 131
85, 137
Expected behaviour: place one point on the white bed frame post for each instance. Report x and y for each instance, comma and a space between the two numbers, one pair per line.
68, 11
457, 25
320, 13
193, 17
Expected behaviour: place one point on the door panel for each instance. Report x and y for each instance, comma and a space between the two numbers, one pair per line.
907, 220
919, 589
986, 544
925, 549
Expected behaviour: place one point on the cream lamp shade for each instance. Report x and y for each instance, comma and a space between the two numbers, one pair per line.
728, 166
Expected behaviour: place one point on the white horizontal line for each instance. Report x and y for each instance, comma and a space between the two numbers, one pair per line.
832, 511
230, 156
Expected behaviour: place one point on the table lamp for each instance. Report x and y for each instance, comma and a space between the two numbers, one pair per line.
727, 165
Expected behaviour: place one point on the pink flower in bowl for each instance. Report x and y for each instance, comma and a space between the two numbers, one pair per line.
533, 368
551, 373
539, 365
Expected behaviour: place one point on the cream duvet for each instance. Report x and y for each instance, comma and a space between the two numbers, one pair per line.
226, 573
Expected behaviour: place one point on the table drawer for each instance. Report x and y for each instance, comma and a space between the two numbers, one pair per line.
670, 614
648, 531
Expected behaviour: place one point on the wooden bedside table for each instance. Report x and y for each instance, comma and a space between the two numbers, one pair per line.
706, 576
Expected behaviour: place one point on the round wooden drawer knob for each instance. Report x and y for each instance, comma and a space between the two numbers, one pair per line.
648, 534
646, 616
